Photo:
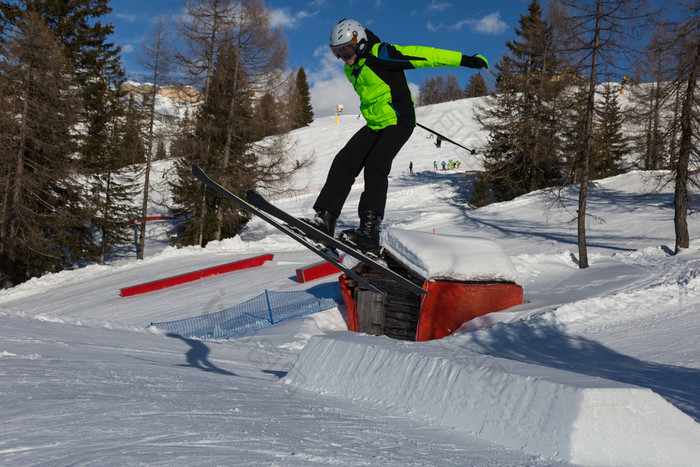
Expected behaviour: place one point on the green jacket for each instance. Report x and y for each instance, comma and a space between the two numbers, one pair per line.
378, 78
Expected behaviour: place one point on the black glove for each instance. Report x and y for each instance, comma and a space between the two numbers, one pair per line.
474, 61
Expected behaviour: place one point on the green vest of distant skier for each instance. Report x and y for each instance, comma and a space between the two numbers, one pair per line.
376, 71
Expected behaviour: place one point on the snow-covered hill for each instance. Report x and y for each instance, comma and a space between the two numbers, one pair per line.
598, 367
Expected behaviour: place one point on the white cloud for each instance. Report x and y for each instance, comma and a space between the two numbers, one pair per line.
434, 27
287, 19
131, 18
281, 17
329, 86
327, 66
435, 6
490, 24
327, 95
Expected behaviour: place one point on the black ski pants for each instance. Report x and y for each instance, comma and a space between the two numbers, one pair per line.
373, 150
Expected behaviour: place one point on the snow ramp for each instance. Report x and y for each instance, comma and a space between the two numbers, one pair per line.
542, 410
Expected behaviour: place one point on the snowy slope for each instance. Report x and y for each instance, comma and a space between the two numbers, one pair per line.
599, 366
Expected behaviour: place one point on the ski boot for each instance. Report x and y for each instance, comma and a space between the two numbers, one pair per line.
366, 237
325, 222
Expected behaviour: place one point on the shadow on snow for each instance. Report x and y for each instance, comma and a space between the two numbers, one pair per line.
550, 346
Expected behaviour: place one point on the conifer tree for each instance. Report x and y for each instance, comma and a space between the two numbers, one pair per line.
96, 64
98, 76
482, 194
476, 87
524, 119
254, 52
161, 152
223, 121
596, 34
190, 199
572, 136
610, 144
428, 92
453, 91
268, 120
651, 97
202, 29
157, 58
304, 113
131, 142
112, 200
43, 220
443, 88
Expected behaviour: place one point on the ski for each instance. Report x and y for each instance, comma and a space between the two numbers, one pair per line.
257, 200
204, 178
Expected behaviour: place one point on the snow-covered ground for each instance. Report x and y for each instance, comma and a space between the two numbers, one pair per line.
598, 367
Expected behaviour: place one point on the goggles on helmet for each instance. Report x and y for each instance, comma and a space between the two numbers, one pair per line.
346, 50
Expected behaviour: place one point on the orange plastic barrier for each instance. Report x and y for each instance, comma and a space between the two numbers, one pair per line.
193, 276
153, 218
449, 305
316, 271
350, 305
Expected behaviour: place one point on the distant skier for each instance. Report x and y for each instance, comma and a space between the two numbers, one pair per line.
376, 71
438, 141
410, 167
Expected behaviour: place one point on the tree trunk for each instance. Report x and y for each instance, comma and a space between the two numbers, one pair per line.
211, 48
680, 200
588, 143
105, 233
149, 157
10, 254
226, 159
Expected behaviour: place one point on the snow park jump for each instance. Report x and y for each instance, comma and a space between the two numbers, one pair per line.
468, 278
195, 275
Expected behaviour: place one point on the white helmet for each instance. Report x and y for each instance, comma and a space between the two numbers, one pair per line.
348, 37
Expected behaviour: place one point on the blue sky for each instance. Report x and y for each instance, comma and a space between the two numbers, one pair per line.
467, 26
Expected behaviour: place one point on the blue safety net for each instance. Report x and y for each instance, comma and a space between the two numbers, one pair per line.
257, 313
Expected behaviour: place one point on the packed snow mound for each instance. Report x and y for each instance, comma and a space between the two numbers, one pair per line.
449, 257
544, 411
628, 324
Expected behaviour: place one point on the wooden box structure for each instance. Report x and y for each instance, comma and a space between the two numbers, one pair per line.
394, 314
400, 314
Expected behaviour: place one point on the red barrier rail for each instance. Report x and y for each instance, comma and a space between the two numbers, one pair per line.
316, 271
153, 218
195, 275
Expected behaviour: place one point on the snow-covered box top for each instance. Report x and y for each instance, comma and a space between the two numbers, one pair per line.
448, 257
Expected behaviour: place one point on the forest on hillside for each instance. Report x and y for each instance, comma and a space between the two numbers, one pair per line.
76, 136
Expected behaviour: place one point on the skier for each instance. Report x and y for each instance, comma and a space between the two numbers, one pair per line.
376, 71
